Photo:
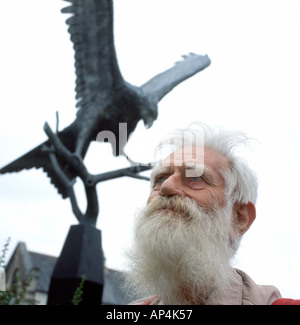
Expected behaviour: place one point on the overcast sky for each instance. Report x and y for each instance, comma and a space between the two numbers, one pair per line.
251, 85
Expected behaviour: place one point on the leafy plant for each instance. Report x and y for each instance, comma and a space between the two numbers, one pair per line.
4, 251
77, 298
16, 293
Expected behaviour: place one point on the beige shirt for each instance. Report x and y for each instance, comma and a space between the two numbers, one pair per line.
243, 291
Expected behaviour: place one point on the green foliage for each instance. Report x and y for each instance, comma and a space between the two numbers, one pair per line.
4, 251
77, 298
16, 294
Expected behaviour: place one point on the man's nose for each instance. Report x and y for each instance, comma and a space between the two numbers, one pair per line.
172, 186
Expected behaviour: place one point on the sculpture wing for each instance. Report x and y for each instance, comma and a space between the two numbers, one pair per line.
96, 67
157, 87
37, 158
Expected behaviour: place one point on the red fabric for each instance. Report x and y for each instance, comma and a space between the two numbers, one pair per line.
286, 301
148, 302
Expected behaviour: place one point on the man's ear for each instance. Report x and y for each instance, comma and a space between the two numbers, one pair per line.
244, 216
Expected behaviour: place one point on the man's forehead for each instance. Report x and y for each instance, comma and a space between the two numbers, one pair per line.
191, 168
195, 157
185, 155
198, 154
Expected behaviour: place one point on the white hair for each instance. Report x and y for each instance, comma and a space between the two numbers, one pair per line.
240, 181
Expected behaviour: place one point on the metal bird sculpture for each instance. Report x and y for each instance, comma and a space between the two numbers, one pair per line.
104, 98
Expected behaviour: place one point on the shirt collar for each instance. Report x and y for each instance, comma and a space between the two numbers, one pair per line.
233, 294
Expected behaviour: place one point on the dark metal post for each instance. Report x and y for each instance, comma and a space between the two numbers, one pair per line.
81, 255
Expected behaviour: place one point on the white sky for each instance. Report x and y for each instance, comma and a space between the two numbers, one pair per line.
251, 85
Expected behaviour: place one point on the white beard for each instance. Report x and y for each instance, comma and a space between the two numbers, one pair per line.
181, 251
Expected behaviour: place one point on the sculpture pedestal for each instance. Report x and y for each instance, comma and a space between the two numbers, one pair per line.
81, 255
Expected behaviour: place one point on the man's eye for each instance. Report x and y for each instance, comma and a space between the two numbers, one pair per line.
196, 179
159, 180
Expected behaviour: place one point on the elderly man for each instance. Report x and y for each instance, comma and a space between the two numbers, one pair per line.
201, 203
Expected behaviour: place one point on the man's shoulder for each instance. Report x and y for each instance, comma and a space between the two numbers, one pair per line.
246, 293
256, 294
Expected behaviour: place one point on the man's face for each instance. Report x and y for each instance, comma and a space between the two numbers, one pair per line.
183, 174
184, 237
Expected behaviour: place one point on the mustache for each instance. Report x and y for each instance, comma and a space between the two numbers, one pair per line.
179, 205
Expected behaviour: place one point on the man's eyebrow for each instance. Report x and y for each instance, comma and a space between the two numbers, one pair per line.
160, 170
193, 169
